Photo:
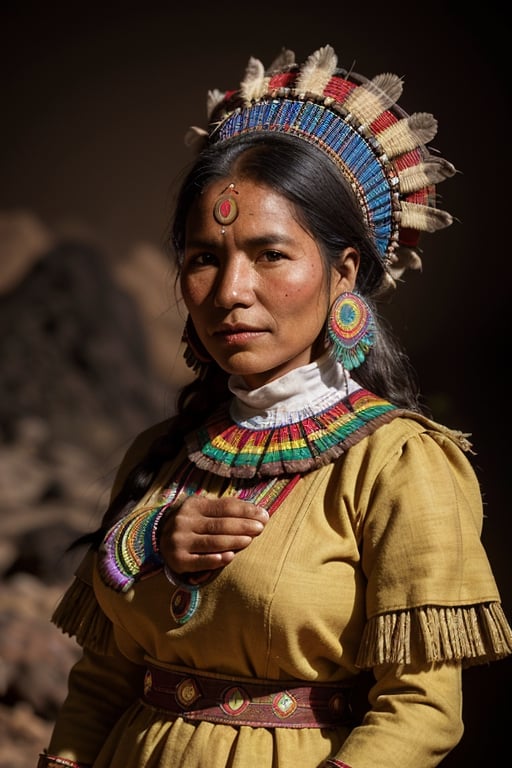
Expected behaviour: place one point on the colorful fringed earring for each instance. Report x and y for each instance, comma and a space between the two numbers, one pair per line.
350, 329
195, 355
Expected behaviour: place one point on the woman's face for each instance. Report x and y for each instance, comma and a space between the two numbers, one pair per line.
256, 288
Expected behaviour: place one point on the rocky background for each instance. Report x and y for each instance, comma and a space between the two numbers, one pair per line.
95, 101
82, 353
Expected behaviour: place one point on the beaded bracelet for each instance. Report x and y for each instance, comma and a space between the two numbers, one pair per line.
333, 763
52, 761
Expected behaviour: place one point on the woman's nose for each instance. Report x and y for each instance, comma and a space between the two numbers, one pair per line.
234, 283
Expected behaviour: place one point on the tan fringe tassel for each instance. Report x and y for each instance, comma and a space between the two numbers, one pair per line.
470, 635
79, 615
498, 628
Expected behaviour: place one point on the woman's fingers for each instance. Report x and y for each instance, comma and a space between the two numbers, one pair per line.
206, 533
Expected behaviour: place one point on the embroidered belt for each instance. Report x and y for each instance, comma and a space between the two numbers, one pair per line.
256, 703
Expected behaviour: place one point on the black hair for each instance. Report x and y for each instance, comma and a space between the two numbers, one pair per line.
327, 207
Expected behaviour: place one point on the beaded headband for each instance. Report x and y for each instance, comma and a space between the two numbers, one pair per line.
380, 150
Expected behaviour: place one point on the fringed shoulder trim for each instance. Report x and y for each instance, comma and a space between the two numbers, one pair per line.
79, 615
471, 635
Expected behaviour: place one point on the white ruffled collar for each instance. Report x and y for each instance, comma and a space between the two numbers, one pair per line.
297, 394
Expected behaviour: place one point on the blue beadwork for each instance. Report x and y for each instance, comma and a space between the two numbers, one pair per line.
318, 125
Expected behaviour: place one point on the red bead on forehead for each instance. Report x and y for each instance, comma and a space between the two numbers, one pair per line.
225, 209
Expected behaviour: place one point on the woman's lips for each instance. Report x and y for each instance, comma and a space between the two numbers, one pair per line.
237, 334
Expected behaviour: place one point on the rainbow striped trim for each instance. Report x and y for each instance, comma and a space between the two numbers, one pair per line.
228, 449
129, 550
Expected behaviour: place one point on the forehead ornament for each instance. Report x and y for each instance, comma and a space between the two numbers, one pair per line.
225, 209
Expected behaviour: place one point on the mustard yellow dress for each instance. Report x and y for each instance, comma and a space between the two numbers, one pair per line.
371, 560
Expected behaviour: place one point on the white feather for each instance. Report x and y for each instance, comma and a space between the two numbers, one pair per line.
371, 99
213, 100
284, 60
423, 218
402, 259
431, 171
408, 133
195, 137
317, 71
254, 84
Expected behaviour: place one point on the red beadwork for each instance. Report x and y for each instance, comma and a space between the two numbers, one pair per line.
225, 210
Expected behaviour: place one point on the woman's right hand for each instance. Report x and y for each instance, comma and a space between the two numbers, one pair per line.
205, 534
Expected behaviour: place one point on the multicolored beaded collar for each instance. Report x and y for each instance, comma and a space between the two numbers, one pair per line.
230, 449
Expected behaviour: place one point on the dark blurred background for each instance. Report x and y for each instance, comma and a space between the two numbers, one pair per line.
95, 101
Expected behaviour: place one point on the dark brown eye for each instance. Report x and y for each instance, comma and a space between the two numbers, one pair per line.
273, 255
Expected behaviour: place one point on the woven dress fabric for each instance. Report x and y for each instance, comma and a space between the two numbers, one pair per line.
361, 540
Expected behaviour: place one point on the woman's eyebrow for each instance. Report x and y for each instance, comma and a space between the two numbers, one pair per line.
270, 238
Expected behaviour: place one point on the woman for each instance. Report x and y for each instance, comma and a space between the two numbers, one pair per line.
290, 571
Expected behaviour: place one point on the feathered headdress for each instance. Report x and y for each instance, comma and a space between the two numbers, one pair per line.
380, 150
